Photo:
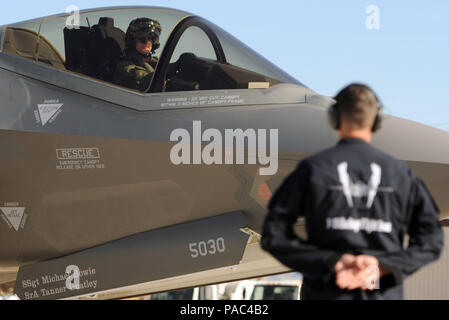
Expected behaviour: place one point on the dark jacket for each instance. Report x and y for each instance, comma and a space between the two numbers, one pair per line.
133, 72
356, 199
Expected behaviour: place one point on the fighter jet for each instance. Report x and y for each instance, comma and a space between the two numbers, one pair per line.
109, 192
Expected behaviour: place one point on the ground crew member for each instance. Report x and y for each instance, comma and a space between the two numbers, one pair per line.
135, 70
358, 203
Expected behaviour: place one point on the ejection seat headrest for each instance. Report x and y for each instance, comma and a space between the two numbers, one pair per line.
105, 46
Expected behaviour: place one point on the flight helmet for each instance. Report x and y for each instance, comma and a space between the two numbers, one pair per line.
141, 28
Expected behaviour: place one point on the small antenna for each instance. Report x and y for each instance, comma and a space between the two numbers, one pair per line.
36, 52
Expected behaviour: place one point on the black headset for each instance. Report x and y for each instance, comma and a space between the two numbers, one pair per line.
333, 114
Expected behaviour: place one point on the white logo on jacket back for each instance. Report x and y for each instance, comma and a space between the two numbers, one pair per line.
353, 190
359, 189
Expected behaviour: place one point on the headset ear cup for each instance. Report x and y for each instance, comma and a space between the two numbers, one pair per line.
378, 121
333, 117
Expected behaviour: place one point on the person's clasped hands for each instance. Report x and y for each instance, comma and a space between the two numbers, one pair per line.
358, 272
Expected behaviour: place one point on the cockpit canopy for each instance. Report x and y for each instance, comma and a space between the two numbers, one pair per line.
192, 50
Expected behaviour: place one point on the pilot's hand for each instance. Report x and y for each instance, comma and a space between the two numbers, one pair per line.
362, 271
364, 261
346, 261
347, 272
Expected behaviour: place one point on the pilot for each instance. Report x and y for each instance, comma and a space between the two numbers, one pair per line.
358, 204
136, 68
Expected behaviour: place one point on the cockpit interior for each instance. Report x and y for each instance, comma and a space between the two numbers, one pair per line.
194, 54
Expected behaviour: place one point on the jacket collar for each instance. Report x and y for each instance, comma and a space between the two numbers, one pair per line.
137, 58
352, 141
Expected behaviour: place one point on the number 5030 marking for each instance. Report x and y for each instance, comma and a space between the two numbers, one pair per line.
204, 248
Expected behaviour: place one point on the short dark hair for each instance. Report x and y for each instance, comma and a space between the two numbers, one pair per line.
357, 104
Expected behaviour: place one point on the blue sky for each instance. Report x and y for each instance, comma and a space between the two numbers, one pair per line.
325, 43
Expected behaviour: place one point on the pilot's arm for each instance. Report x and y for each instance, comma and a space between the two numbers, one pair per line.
426, 235
279, 238
133, 76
